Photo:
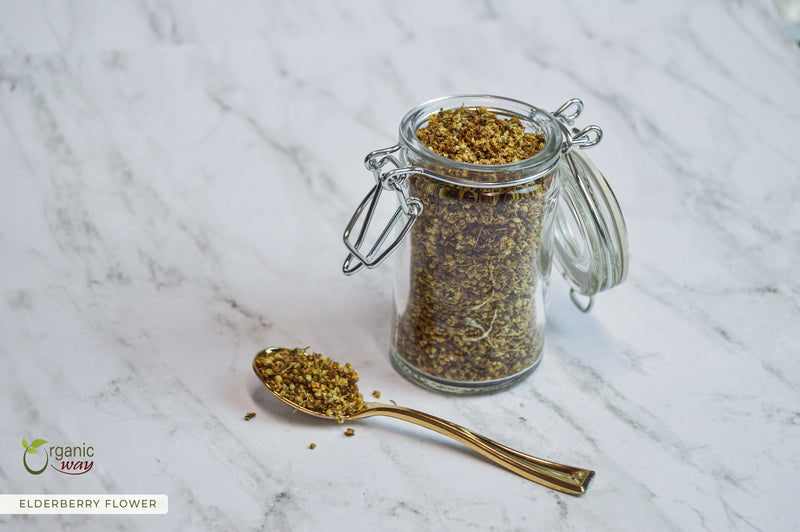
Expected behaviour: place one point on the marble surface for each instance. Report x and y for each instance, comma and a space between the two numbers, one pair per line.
175, 180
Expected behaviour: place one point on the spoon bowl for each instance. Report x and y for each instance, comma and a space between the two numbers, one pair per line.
566, 479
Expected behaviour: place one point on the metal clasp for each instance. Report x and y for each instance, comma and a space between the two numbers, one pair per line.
582, 138
584, 307
409, 208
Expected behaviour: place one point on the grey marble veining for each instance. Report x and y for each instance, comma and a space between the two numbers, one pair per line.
175, 180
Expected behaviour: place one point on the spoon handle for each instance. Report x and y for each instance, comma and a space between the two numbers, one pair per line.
566, 479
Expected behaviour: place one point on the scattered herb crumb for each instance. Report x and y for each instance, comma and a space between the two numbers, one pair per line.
376, 394
312, 446
312, 381
250, 415
349, 432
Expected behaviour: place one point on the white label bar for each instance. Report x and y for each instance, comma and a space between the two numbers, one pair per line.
47, 503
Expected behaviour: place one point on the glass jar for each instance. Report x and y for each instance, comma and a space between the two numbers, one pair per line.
476, 244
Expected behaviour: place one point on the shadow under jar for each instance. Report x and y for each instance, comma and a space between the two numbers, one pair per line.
476, 243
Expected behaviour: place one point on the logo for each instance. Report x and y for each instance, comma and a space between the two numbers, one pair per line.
32, 449
67, 459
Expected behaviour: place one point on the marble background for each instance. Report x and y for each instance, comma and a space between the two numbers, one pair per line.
175, 179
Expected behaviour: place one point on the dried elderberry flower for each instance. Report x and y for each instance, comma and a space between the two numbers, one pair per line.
471, 314
312, 381
478, 136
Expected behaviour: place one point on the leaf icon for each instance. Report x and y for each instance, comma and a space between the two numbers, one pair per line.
24, 443
38, 442
31, 450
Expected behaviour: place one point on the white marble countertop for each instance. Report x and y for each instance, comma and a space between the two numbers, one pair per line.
175, 180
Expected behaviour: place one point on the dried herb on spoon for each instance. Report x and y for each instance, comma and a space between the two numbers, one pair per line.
312, 381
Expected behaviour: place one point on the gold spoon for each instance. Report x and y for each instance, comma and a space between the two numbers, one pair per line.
566, 479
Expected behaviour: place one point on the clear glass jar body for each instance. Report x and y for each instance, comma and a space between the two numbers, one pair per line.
472, 277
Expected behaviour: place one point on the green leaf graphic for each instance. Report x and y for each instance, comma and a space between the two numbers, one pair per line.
24, 443
31, 450
38, 442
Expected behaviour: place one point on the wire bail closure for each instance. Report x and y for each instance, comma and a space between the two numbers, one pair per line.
409, 208
582, 138
585, 187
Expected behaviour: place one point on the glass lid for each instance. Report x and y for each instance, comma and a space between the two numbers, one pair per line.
590, 237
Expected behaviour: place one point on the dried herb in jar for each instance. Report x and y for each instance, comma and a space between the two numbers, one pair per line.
478, 136
471, 315
312, 381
